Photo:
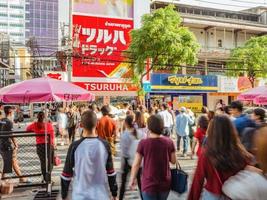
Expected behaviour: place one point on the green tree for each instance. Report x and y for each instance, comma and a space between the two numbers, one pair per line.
164, 40
250, 59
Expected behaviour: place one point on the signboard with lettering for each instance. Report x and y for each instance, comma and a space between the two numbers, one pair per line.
173, 82
106, 86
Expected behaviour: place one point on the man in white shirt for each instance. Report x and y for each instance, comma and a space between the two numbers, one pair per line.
167, 120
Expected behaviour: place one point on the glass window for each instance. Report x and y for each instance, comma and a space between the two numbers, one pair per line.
50, 6
3, 14
37, 23
43, 6
43, 14
3, 5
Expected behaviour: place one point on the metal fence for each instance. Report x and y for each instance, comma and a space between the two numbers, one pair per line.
29, 157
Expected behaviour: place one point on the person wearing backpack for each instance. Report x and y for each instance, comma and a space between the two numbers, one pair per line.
223, 157
129, 142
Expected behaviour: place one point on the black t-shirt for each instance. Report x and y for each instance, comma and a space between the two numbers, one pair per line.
5, 125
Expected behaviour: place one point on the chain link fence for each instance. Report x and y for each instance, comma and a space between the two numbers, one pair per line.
28, 164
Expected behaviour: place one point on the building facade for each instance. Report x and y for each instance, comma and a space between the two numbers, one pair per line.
12, 20
42, 24
218, 31
42, 34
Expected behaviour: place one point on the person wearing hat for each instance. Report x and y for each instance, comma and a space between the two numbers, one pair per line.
183, 122
106, 128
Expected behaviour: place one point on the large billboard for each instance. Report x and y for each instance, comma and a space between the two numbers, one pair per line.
106, 8
98, 45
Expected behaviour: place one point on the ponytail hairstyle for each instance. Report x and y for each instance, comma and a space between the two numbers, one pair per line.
129, 120
40, 120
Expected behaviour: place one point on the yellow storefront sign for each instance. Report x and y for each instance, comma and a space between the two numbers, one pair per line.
189, 80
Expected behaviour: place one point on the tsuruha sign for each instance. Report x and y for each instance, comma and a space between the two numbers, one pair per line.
98, 45
98, 86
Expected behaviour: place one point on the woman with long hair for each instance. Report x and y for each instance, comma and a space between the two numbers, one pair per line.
140, 123
129, 141
223, 157
39, 127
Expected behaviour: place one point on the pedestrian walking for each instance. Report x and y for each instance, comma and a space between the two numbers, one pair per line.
241, 121
72, 124
167, 120
249, 133
183, 122
223, 157
89, 162
140, 123
9, 145
106, 128
46, 156
251, 183
156, 153
200, 135
62, 121
129, 142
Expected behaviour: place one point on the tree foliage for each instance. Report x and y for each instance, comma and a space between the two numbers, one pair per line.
251, 59
162, 39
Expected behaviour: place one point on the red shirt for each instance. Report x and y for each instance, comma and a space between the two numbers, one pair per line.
106, 128
206, 171
200, 135
41, 139
156, 174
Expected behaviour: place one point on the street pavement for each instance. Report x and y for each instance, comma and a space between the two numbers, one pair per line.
27, 194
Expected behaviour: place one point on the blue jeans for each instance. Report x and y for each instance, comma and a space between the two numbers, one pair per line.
185, 143
206, 195
157, 196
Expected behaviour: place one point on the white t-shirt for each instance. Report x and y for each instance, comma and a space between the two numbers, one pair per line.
246, 185
167, 118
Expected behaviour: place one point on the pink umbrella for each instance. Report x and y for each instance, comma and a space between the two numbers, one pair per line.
43, 90
261, 100
253, 93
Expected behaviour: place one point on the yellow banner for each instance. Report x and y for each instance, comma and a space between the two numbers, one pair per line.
175, 87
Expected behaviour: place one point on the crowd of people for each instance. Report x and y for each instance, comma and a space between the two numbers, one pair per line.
229, 144
230, 148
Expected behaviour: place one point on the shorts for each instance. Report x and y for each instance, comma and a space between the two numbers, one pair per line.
8, 156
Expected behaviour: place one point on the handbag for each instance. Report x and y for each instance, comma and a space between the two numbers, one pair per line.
179, 179
57, 161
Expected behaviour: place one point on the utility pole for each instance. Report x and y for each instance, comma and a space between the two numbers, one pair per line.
69, 66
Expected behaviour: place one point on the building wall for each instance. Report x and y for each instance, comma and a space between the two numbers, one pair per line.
42, 23
12, 19
227, 38
25, 63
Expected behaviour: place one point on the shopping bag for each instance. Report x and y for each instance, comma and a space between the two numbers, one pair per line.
57, 161
179, 179
6, 187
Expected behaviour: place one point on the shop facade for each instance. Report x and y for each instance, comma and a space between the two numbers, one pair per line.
190, 91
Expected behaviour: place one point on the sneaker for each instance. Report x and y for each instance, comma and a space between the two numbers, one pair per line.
184, 155
62, 144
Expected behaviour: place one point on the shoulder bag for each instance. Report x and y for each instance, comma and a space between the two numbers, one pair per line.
179, 179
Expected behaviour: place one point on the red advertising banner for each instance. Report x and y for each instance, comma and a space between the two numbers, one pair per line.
98, 45
122, 87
